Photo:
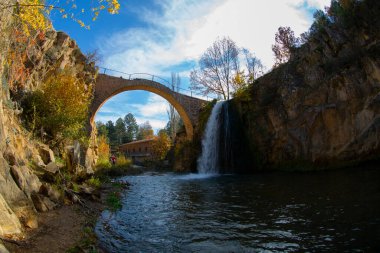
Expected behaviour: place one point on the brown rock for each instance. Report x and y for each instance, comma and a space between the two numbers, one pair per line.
48, 203
46, 153
12, 194
52, 168
38, 201
25, 179
31, 222
3, 249
10, 157
48, 191
9, 223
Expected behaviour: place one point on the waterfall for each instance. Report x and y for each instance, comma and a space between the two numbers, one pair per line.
208, 162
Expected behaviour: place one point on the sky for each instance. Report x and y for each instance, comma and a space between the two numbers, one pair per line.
160, 37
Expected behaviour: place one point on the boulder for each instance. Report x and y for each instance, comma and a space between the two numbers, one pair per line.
10, 157
50, 172
31, 222
3, 249
45, 153
49, 204
38, 161
52, 168
9, 223
42, 203
25, 179
48, 191
76, 160
38, 202
16, 199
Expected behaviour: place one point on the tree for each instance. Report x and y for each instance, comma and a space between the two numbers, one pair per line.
101, 129
120, 131
60, 107
217, 67
145, 131
174, 118
285, 43
111, 132
132, 127
161, 145
253, 64
103, 147
33, 14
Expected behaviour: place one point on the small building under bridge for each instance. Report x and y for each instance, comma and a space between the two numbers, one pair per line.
138, 151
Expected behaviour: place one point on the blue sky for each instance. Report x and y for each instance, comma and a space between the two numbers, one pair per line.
164, 36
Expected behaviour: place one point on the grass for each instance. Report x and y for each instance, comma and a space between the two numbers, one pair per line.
113, 194
94, 182
113, 200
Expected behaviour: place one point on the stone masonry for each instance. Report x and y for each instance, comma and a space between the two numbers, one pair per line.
108, 86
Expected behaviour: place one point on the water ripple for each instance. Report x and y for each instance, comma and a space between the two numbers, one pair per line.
193, 213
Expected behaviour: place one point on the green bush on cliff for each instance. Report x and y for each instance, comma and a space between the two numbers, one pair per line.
59, 109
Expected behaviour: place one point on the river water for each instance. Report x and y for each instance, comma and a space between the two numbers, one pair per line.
335, 211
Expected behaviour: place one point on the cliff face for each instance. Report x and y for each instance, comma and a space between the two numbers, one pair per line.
322, 108
22, 192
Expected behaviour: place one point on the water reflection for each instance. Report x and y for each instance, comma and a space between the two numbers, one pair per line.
315, 212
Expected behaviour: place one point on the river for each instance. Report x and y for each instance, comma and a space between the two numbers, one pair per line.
334, 211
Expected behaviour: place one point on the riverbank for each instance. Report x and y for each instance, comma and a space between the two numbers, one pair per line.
69, 228
60, 230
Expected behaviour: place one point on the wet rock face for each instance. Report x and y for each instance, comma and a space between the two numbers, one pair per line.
320, 109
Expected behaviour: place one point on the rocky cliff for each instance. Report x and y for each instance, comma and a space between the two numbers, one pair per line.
25, 162
322, 108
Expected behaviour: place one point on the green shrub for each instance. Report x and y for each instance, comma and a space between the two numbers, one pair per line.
103, 163
59, 107
113, 201
121, 161
94, 182
243, 94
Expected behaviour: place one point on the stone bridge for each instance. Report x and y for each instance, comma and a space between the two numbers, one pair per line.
108, 86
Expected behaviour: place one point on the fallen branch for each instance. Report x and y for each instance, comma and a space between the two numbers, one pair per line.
75, 198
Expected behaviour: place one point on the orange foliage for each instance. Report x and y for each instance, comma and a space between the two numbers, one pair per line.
103, 147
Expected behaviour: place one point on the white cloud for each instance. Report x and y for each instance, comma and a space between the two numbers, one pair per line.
185, 28
319, 4
155, 123
152, 108
156, 106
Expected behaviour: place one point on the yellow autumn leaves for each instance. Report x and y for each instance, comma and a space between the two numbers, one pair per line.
33, 13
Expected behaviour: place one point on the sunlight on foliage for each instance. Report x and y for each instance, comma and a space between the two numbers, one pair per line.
103, 153
103, 147
121, 161
161, 145
94, 182
33, 13
60, 107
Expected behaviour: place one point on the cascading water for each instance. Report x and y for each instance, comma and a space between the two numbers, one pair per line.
225, 149
208, 162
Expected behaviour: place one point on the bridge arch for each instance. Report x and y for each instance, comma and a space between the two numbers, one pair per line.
108, 86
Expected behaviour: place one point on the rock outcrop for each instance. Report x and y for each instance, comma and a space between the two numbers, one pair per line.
322, 108
23, 160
